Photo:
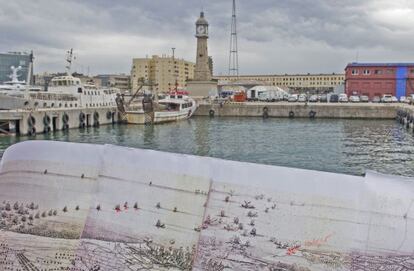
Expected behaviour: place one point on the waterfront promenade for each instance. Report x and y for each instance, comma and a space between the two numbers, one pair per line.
304, 110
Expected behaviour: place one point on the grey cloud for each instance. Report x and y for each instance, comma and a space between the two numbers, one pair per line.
274, 36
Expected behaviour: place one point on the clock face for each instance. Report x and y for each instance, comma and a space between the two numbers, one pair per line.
201, 29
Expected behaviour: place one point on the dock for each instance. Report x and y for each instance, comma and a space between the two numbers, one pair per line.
304, 110
46, 120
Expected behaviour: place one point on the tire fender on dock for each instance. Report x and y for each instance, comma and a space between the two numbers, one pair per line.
265, 112
81, 117
31, 131
312, 114
46, 120
31, 121
65, 118
96, 119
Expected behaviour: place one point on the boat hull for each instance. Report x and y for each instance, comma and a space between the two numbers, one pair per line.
9, 102
139, 117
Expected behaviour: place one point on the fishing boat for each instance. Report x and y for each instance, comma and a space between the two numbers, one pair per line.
174, 106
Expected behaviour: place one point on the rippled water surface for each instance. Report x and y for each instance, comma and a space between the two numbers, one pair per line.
346, 146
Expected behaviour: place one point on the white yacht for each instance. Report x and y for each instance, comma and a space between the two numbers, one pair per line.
64, 91
15, 85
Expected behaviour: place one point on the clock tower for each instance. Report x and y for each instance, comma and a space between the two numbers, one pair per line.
202, 85
202, 70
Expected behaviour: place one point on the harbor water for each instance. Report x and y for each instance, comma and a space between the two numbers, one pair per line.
334, 145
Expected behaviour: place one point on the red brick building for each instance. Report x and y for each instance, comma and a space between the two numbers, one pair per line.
377, 79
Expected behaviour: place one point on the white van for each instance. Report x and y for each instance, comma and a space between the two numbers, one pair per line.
386, 98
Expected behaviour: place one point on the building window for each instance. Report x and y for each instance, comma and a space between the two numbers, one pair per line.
412, 71
378, 71
354, 72
390, 71
367, 72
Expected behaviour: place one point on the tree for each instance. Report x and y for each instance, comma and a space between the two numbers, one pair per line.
98, 207
16, 206
136, 205
44, 214
50, 213
77, 208
32, 206
54, 212
37, 215
8, 207
65, 209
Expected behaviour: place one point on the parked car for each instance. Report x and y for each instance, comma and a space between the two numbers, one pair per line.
323, 98
364, 98
293, 98
386, 98
302, 98
376, 99
354, 99
403, 99
410, 99
313, 98
343, 98
334, 98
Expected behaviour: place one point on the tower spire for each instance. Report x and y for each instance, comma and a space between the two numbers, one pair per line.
233, 56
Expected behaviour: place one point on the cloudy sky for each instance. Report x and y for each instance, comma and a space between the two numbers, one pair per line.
275, 36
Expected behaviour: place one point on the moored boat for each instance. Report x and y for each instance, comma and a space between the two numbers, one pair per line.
174, 106
64, 91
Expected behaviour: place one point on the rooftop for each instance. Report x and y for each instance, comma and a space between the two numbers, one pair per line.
356, 64
281, 75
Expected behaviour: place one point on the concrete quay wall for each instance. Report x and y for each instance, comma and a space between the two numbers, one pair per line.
302, 110
55, 119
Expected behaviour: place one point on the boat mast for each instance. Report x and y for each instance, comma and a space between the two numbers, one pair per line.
69, 59
175, 75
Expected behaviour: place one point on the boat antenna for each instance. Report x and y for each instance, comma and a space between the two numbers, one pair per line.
69, 59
